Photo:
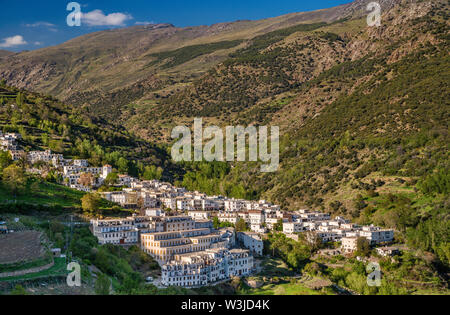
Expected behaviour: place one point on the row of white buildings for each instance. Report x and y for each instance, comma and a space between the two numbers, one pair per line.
207, 267
9, 143
73, 169
321, 226
191, 253
261, 216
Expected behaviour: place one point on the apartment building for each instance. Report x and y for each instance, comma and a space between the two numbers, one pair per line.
184, 235
8, 142
230, 217
43, 156
16, 155
256, 217
80, 187
199, 214
377, 235
234, 205
125, 180
118, 232
203, 224
208, 204
388, 251
120, 197
251, 241
261, 205
349, 244
123, 231
81, 163
169, 202
72, 179
271, 221
164, 245
293, 227
207, 267
155, 212
184, 204
309, 216
258, 228
148, 201
326, 236
228, 235
179, 223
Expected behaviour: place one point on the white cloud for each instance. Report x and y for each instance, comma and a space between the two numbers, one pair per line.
50, 26
39, 24
13, 41
144, 23
98, 18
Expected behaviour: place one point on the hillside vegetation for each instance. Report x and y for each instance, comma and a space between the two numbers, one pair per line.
46, 123
364, 134
363, 111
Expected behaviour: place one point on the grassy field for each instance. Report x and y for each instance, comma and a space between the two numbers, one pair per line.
285, 289
57, 270
274, 267
278, 280
45, 193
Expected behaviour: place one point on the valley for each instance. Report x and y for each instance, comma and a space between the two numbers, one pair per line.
363, 117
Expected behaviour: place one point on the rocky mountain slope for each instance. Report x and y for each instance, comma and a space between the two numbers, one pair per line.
363, 114
105, 71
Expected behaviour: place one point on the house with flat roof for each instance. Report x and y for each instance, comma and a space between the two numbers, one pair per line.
251, 241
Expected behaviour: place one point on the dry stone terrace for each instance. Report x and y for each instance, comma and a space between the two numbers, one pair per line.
20, 246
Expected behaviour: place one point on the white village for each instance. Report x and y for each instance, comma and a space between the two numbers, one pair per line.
175, 226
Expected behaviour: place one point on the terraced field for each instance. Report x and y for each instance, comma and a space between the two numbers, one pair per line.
20, 246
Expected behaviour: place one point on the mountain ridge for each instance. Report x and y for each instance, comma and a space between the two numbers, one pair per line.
88, 63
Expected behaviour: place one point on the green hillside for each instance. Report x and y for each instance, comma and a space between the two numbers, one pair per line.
363, 115
366, 138
46, 123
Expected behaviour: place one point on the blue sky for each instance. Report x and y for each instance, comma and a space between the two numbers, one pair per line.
33, 24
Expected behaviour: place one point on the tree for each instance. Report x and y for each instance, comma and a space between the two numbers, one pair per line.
19, 290
140, 202
362, 247
152, 172
216, 223
87, 179
111, 179
278, 226
102, 285
314, 240
90, 203
5, 160
241, 226
20, 99
56, 227
14, 178
123, 165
